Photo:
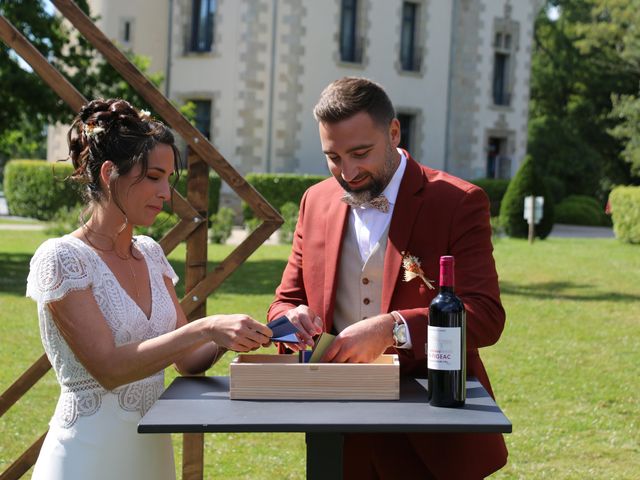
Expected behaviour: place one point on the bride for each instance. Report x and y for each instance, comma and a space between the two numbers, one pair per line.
109, 316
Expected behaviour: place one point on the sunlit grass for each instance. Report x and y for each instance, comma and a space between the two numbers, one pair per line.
564, 370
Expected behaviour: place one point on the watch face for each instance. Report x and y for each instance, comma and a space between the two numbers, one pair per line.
400, 334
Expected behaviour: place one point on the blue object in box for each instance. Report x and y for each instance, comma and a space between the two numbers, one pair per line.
304, 356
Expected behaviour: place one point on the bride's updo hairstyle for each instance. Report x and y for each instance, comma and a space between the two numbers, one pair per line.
113, 130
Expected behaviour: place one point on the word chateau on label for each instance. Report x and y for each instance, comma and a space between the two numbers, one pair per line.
446, 343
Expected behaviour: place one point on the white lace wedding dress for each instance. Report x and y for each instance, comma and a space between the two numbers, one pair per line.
92, 434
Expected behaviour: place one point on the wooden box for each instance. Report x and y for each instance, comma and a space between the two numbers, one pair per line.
281, 377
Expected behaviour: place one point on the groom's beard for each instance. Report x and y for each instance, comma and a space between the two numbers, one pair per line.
378, 183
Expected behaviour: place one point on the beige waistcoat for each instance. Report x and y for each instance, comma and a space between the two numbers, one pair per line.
359, 288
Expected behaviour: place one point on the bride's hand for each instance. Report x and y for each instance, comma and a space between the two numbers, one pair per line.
238, 332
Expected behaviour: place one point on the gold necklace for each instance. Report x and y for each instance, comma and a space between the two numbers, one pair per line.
126, 258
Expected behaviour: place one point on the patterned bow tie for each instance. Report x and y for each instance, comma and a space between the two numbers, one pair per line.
379, 203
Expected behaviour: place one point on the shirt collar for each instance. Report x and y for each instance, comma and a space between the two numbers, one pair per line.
391, 191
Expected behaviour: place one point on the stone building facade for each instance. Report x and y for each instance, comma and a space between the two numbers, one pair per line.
456, 70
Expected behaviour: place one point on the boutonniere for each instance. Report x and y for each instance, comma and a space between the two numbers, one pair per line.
412, 269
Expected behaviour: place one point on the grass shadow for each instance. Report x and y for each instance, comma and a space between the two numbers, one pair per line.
565, 291
14, 269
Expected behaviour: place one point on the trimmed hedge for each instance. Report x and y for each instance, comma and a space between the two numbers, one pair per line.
495, 189
526, 182
625, 212
581, 210
279, 188
37, 189
214, 191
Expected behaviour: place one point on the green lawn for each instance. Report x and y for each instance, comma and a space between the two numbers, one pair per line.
564, 371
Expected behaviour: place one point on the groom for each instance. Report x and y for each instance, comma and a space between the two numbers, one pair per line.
345, 273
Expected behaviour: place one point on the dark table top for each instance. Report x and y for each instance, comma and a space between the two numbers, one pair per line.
202, 404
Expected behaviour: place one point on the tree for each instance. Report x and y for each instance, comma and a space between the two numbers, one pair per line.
627, 108
28, 104
577, 69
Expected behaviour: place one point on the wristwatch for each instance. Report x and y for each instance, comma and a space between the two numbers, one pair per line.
399, 330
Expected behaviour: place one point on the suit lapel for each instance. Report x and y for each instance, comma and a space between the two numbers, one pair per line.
405, 213
334, 231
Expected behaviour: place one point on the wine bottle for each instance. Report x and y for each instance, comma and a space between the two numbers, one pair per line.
446, 343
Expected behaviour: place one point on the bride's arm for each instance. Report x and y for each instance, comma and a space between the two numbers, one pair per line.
200, 358
83, 326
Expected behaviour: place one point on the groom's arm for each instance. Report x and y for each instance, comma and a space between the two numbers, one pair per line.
291, 291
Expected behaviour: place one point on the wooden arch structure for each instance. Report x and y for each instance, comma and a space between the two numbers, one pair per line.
192, 211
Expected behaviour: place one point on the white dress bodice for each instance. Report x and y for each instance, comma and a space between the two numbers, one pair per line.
61, 265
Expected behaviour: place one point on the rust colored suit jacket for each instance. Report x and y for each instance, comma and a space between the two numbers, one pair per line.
435, 214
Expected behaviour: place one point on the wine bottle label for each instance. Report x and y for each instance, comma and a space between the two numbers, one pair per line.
443, 348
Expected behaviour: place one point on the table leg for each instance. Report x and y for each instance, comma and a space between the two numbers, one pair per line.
324, 455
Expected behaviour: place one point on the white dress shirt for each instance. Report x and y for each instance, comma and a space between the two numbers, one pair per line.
370, 223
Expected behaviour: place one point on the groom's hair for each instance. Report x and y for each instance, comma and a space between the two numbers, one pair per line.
349, 96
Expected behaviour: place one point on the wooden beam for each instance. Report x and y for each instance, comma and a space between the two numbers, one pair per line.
30, 54
22, 385
198, 142
195, 271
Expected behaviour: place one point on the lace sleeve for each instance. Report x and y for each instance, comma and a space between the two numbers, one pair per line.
56, 269
157, 256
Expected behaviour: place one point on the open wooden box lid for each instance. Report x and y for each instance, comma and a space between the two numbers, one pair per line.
281, 377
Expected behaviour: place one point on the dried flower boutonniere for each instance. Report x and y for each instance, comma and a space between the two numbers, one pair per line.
412, 270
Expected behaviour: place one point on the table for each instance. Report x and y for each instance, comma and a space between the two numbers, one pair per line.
202, 404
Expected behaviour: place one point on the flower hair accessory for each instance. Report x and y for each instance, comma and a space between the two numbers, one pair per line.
412, 269
92, 130
144, 114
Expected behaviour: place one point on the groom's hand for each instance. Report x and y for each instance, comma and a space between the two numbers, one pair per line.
309, 324
362, 342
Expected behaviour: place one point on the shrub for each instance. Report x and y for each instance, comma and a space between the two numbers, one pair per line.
496, 229
526, 182
279, 188
38, 189
164, 222
495, 189
557, 187
289, 212
65, 220
625, 212
214, 191
221, 224
252, 223
580, 210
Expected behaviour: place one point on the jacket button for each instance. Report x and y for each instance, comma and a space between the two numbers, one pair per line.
366, 301
365, 281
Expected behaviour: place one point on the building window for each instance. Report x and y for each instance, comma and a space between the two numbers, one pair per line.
202, 22
407, 122
501, 79
498, 162
350, 42
203, 116
126, 31
409, 51
502, 69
